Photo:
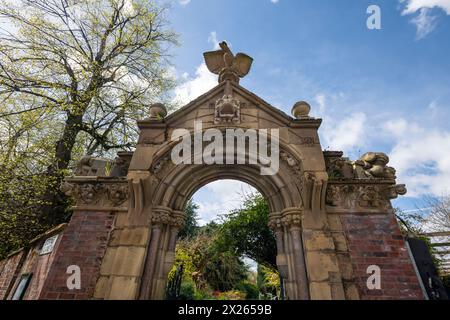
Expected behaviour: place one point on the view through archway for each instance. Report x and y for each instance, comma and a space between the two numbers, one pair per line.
226, 250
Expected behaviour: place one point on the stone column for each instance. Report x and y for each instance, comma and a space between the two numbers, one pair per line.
165, 225
290, 258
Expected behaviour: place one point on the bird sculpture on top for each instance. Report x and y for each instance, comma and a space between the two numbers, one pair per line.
227, 65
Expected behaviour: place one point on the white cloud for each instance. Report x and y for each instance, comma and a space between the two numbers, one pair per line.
425, 21
212, 38
194, 87
416, 5
274, 1
421, 157
347, 134
223, 197
320, 100
184, 2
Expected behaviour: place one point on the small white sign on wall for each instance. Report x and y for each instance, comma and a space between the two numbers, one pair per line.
48, 245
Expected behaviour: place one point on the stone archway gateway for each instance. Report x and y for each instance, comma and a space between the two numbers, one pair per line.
332, 217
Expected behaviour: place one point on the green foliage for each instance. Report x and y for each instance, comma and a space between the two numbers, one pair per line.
211, 255
250, 290
246, 233
231, 295
188, 291
446, 281
191, 227
268, 281
206, 265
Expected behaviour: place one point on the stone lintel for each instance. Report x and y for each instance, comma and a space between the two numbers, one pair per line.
151, 124
361, 181
306, 123
362, 211
95, 179
99, 208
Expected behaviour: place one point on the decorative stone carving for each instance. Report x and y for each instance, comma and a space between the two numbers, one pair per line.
370, 197
90, 166
167, 216
362, 196
86, 193
161, 215
374, 165
334, 195
160, 163
227, 110
91, 193
178, 219
121, 164
395, 191
292, 217
275, 221
228, 66
291, 161
337, 166
118, 193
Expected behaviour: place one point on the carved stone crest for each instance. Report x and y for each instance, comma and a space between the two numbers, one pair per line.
227, 110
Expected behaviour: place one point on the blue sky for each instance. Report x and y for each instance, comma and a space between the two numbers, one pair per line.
382, 90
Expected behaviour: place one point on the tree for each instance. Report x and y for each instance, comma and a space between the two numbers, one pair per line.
438, 218
245, 232
205, 264
191, 226
75, 75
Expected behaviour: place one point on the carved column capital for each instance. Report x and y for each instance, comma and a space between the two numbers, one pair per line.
292, 217
178, 219
166, 216
161, 215
275, 223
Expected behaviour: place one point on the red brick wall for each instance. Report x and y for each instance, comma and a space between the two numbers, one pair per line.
8, 270
83, 243
376, 240
38, 265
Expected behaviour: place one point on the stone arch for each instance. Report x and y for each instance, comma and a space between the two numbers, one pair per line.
316, 198
174, 184
282, 190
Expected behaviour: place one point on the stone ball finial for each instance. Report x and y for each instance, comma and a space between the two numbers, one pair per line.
301, 110
157, 111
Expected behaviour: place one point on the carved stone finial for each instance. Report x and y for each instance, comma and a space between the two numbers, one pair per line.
157, 111
301, 110
91, 166
121, 164
227, 65
374, 165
